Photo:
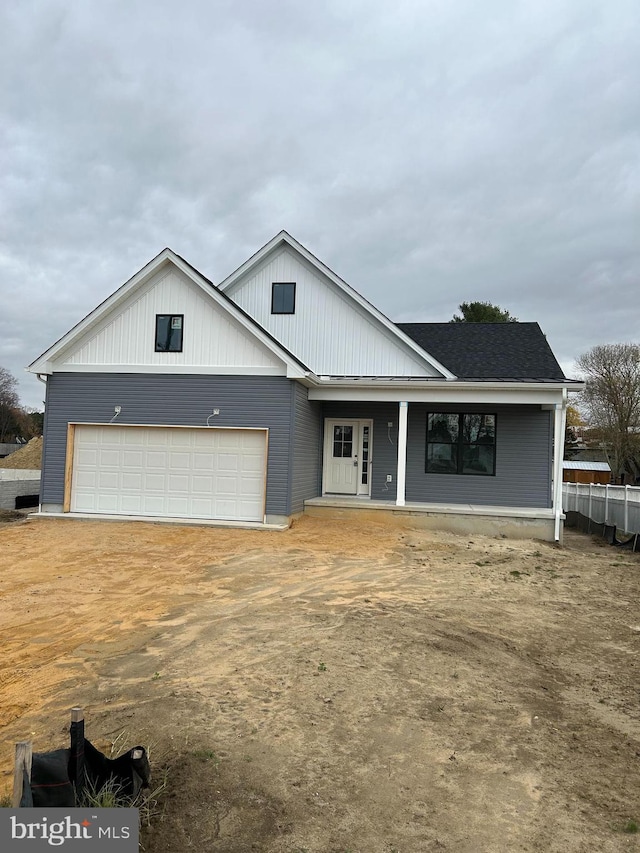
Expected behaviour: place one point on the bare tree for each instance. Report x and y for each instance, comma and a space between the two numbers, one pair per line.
9, 404
8, 386
16, 422
612, 399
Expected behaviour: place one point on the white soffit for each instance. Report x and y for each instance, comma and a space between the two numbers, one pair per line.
441, 392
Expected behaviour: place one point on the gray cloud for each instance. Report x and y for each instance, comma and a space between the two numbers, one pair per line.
429, 152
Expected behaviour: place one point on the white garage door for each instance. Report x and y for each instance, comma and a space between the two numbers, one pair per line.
169, 471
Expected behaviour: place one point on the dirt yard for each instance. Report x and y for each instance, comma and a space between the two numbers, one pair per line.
337, 688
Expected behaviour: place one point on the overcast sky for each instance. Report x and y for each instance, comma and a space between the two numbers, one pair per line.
429, 151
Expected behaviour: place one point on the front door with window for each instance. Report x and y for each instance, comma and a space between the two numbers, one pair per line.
347, 457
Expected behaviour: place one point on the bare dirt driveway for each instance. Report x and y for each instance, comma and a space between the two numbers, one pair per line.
337, 687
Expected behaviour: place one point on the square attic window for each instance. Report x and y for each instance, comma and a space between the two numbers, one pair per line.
283, 297
169, 332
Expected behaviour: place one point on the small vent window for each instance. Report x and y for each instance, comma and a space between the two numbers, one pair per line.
283, 297
169, 332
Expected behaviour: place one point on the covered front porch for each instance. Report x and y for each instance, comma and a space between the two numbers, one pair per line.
379, 455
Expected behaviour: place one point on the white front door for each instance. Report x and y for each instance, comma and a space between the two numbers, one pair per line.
347, 457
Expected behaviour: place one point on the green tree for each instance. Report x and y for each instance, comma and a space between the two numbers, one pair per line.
612, 399
482, 312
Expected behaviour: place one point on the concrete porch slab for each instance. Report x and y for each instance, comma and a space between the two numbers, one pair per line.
465, 519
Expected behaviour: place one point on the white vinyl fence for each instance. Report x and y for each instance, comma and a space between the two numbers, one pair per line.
619, 505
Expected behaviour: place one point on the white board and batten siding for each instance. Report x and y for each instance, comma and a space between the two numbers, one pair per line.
329, 332
170, 472
213, 340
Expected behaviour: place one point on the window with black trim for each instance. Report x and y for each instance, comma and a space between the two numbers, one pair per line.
283, 297
169, 332
461, 444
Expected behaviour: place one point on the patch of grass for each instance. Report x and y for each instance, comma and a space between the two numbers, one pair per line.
156, 675
109, 796
112, 796
206, 755
322, 667
631, 827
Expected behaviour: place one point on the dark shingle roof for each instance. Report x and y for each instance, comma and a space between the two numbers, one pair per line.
516, 351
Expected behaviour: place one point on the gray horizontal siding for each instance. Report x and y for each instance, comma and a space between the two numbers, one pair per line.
244, 401
523, 460
306, 466
523, 456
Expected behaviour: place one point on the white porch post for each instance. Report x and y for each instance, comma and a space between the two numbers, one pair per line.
559, 422
402, 453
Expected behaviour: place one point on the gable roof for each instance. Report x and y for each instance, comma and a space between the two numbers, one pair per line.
489, 351
43, 363
283, 238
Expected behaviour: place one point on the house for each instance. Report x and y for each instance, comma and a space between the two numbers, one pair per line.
283, 390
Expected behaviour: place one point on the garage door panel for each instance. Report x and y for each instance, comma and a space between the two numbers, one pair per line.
169, 471
202, 485
155, 482
228, 462
179, 461
106, 479
247, 510
135, 436
178, 507
130, 504
87, 456
227, 486
202, 439
153, 505
106, 503
156, 459
206, 461
158, 438
252, 464
108, 458
133, 458
86, 479
85, 502
179, 483
132, 481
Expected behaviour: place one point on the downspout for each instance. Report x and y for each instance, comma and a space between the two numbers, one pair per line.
401, 475
44, 382
560, 420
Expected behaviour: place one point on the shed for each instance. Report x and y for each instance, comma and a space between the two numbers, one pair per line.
586, 472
